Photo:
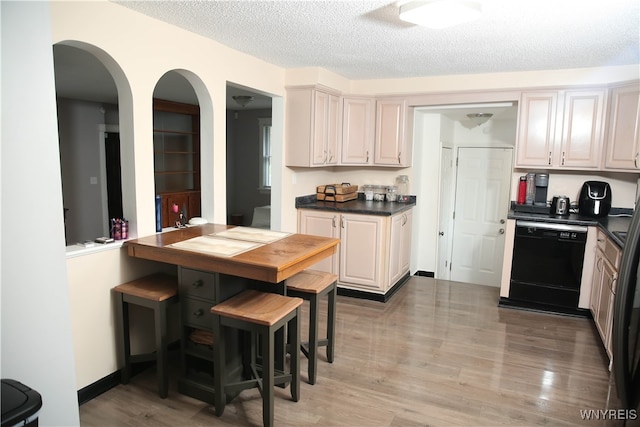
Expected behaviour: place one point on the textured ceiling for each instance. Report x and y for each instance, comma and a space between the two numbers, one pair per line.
365, 39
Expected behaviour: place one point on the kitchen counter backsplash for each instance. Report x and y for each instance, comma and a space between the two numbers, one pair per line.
358, 206
619, 219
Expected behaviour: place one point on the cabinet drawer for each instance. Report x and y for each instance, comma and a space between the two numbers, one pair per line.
196, 313
197, 283
612, 253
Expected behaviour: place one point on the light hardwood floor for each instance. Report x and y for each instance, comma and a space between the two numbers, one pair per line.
438, 353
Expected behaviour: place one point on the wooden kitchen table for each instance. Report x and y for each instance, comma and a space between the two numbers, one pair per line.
271, 262
207, 278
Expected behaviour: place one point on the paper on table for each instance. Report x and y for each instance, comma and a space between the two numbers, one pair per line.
250, 234
215, 246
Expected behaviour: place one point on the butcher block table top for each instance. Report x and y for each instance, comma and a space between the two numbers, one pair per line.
265, 255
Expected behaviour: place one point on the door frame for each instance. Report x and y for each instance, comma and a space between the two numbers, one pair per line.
445, 211
102, 131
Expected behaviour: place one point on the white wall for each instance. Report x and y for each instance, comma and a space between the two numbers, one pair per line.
138, 54
36, 325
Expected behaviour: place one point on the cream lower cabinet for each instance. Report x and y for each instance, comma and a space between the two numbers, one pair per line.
374, 251
603, 288
325, 224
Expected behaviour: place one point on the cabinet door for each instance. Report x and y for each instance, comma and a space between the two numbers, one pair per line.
361, 251
320, 126
325, 224
405, 243
400, 246
169, 218
536, 129
596, 285
357, 131
624, 121
395, 248
390, 132
582, 128
334, 130
195, 204
605, 307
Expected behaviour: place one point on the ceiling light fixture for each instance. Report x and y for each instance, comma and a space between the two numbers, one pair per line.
242, 100
479, 118
439, 14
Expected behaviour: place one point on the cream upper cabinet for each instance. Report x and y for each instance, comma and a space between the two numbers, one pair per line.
623, 143
314, 127
536, 128
358, 129
392, 146
561, 129
325, 224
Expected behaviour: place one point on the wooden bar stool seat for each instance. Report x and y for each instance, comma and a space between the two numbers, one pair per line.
263, 314
310, 285
157, 292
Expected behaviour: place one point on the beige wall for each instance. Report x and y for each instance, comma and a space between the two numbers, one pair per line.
138, 50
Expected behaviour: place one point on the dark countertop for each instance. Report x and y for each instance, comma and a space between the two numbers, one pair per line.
358, 206
608, 224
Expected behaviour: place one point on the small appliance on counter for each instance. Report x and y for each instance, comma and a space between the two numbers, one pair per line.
595, 199
542, 183
560, 205
532, 193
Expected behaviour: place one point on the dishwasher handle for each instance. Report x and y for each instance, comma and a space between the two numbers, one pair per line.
552, 226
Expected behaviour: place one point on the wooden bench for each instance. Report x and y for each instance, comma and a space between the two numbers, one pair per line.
157, 292
310, 285
263, 314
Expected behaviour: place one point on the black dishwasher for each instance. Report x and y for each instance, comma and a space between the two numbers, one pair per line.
547, 266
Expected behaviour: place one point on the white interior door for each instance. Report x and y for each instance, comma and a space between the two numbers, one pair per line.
445, 221
480, 215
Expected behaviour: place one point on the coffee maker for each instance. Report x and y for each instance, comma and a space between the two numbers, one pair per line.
542, 184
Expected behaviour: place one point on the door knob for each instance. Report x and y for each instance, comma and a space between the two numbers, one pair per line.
501, 231
502, 221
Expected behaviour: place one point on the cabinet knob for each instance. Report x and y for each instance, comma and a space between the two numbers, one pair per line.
441, 233
198, 313
501, 231
198, 283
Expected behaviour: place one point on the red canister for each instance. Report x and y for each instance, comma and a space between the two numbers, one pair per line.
522, 190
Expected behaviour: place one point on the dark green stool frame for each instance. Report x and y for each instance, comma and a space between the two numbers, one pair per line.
236, 312
157, 292
311, 285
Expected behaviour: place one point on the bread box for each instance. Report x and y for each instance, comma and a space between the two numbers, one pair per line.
337, 192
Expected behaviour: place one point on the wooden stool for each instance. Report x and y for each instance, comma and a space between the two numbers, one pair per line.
157, 292
263, 314
310, 285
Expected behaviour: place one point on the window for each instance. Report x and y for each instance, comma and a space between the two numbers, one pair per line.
265, 154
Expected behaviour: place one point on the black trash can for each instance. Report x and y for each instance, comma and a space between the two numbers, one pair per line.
20, 404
